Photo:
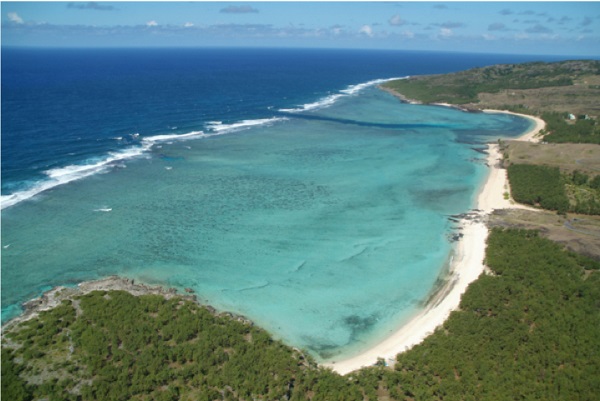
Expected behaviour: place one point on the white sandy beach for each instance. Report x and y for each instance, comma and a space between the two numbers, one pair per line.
467, 266
531, 135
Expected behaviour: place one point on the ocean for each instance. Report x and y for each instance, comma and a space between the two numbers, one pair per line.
279, 184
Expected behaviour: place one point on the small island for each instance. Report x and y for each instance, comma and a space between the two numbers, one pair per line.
524, 324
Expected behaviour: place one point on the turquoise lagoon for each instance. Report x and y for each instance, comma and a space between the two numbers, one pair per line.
325, 225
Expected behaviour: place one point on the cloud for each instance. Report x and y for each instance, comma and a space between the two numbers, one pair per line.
506, 11
586, 21
397, 21
441, 6
567, 19
528, 12
14, 17
451, 25
446, 33
91, 5
188, 25
238, 10
538, 29
366, 30
497, 26
151, 23
336, 29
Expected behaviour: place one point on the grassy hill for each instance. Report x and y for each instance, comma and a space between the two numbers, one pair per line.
568, 86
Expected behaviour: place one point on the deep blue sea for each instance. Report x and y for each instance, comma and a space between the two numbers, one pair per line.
279, 184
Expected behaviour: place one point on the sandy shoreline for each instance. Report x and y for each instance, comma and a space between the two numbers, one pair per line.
466, 267
533, 134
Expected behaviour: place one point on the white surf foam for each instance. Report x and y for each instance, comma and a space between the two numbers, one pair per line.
326, 101
218, 128
64, 175
331, 99
151, 140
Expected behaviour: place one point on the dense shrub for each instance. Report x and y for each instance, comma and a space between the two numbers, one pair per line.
538, 185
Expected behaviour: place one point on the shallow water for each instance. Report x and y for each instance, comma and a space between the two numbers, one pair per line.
327, 227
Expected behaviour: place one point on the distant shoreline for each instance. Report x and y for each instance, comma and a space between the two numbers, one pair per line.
466, 267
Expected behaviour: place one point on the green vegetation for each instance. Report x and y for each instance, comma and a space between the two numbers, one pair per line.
465, 86
123, 347
558, 130
583, 192
546, 187
538, 185
527, 331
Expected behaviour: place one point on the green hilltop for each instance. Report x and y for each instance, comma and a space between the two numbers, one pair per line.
563, 86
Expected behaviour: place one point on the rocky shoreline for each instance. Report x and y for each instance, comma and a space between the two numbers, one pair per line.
55, 296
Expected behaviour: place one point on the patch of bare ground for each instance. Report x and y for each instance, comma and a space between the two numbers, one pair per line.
578, 233
568, 156
580, 98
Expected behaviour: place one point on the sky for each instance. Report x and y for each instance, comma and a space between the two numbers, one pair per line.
549, 28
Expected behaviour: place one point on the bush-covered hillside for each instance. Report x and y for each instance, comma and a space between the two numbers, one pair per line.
464, 86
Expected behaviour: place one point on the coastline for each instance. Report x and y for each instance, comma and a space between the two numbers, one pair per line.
55, 296
466, 267
530, 136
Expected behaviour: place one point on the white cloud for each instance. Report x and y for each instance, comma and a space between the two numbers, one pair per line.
396, 20
152, 23
188, 25
445, 32
408, 34
14, 17
367, 30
